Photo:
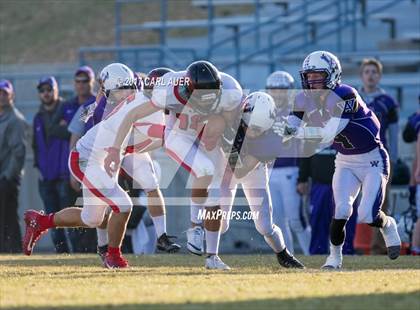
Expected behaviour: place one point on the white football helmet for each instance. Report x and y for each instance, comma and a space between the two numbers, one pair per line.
117, 76
259, 111
280, 80
321, 61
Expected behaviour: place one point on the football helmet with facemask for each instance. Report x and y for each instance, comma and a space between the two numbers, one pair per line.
117, 76
323, 62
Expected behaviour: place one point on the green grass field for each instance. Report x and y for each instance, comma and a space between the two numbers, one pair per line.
180, 281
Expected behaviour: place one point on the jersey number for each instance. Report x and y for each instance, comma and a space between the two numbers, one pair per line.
185, 123
344, 141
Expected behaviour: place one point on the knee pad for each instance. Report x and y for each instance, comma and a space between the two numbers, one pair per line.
148, 179
343, 210
148, 182
379, 221
121, 200
203, 168
337, 231
93, 216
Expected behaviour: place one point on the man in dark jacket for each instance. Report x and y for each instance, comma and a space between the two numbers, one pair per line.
51, 151
12, 158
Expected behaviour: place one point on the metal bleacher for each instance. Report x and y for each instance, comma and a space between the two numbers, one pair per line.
271, 34
277, 34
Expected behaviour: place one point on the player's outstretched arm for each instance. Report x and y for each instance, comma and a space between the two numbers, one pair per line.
123, 127
327, 133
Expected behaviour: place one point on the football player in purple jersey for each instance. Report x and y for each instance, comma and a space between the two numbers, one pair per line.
287, 203
334, 114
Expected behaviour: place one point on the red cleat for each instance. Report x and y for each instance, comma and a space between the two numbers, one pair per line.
33, 231
115, 261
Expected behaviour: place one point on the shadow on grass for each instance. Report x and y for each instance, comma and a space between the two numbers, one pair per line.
354, 302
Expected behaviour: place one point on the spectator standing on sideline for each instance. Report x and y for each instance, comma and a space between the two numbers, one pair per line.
387, 111
12, 157
410, 134
83, 240
320, 169
51, 150
84, 79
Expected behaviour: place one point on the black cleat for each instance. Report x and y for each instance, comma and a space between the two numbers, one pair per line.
287, 260
394, 251
102, 250
165, 244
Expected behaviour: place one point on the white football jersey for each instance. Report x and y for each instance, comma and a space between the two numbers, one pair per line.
182, 117
102, 136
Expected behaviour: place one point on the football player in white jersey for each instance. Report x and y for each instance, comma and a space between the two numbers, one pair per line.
190, 96
287, 202
100, 188
138, 168
253, 146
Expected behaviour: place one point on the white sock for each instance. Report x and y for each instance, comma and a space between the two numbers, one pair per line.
160, 224
102, 235
336, 250
195, 212
212, 242
276, 240
388, 222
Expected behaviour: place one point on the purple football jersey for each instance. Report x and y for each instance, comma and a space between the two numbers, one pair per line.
361, 134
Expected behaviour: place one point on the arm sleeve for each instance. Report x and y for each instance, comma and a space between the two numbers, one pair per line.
327, 133
121, 122
17, 143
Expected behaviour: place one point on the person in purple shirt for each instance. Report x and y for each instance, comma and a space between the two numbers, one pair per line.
84, 79
383, 105
386, 110
334, 114
410, 134
287, 203
51, 150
